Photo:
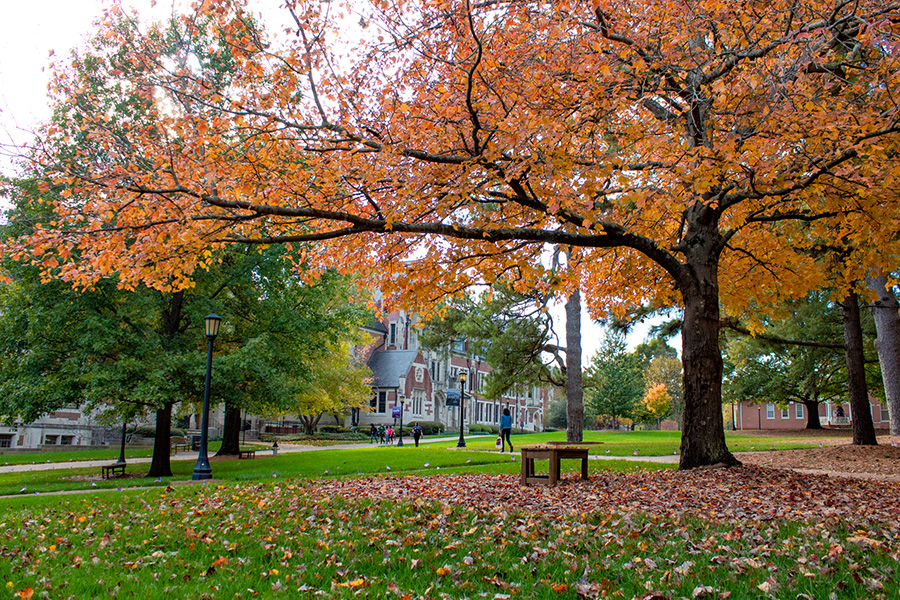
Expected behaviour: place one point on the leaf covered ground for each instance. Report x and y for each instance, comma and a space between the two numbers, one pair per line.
741, 533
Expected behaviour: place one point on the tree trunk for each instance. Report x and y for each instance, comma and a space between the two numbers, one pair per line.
231, 431
812, 411
574, 389
703, 434
863, 428
703, 429
887, 324
159, 464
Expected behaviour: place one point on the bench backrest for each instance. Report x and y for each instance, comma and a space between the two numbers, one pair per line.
177, 440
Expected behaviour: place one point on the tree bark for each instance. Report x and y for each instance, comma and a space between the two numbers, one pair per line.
887, 323
703, 429
863, 428
812, 411
231, 431
160, 466
574, 389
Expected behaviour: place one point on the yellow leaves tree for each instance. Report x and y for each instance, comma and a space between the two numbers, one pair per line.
658, 401
688, 156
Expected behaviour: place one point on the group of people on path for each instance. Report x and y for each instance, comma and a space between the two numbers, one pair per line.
384, 434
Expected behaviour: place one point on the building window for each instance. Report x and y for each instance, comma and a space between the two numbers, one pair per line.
799, 410
51, 440
418, 402
784, 413
392, 336
885, 415
770, 411
6, 440
67, 440
379, 402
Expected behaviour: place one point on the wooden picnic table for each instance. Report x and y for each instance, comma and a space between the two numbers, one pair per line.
553, 453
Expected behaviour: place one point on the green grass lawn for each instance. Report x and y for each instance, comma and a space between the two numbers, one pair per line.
376, 460
260, 529
271, 539
645, 443
105, 453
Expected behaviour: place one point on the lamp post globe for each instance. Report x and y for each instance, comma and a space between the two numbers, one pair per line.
462, 410
203, 470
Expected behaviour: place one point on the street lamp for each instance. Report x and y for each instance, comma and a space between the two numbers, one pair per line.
400, 439
122, 447
202, 470
462, 409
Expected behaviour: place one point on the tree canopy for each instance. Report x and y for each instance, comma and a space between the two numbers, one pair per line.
687, 153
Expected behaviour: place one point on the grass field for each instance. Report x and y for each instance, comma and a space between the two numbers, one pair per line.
268, 528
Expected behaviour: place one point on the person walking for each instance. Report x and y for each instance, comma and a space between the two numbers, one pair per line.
373, 433
381, 430
505, 430
390, 434
417, 433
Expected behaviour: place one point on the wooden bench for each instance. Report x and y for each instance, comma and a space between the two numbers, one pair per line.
107, 471
554, 454
177, 442
246, 454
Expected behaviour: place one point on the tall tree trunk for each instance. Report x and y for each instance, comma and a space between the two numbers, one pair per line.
887, 323
703, 430
160, 466
231, 431
574, 389
863, 428
812, 411
703, 433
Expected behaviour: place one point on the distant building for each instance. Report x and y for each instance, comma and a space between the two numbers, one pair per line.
420, 382
794, 415
64, 427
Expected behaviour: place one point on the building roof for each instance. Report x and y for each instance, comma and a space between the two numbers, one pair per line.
388, 366
376, 326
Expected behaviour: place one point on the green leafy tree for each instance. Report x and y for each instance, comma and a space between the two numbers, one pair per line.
798, 358
134, 352
616, 381
511, 330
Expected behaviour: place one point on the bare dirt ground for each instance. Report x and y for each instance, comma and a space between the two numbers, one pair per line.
835, 456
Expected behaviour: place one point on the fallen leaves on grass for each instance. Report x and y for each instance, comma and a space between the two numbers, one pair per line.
738, 494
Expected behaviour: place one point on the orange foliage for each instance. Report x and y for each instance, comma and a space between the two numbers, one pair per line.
690, 153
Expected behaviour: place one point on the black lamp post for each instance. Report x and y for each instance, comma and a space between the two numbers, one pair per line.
400, 438
462, 409
122, 447
758, 417
202, 470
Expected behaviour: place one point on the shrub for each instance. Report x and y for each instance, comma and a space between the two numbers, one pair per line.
428, 427
477, 428
147, 432
334, 429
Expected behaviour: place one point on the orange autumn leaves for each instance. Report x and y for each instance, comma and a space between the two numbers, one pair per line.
539, 124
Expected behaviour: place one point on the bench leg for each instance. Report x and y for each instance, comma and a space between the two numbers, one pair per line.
554, 469
584, 468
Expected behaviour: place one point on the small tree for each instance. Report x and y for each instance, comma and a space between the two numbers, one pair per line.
658, 401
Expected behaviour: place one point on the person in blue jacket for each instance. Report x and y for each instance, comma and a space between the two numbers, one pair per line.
505, 430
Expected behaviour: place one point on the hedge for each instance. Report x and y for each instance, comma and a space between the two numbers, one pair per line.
428, 427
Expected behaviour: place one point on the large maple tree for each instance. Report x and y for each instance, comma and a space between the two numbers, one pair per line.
684, 151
